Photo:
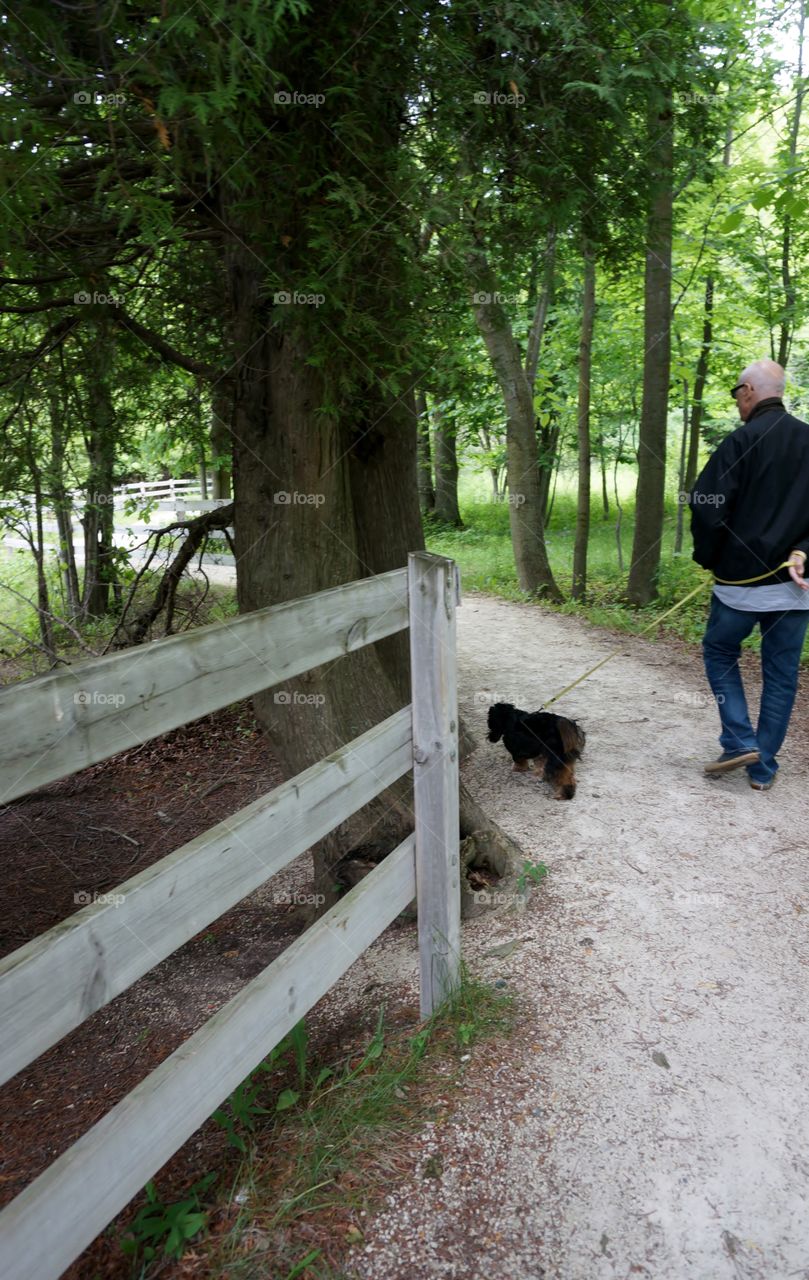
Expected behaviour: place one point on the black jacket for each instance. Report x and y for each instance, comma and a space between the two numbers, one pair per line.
750, 504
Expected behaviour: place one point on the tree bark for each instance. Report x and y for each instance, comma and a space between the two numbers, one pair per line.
38, 549
537, 331
63, 509
681, 490
446, 507
547, 436
585, 359
525, 495
787, 326
425, 461
602, 462
99, 514
221, 442
650, 495
548, 460
325, 464
700, 379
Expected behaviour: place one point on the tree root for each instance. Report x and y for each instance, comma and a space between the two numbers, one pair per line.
491, 863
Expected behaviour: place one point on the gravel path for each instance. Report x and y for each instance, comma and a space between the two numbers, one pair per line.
650, 1118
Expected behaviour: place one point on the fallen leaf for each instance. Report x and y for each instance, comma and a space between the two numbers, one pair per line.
505, 948
661, 1060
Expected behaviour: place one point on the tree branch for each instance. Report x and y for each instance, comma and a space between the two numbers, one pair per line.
197, 532
162, 348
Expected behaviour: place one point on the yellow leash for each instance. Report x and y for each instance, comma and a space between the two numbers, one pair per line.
725, 582
728, 582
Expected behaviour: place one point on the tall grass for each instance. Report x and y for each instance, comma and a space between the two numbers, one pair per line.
484, 554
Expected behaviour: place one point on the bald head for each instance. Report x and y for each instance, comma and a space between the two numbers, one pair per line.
766, 377
761, 380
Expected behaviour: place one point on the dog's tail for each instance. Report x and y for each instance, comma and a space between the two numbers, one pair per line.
500, 716
572, 738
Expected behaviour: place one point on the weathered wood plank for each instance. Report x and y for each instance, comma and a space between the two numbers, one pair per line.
434, 592
57, 980
45, 1228
57, 724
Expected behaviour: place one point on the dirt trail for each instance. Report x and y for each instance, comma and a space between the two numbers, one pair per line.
651, 1116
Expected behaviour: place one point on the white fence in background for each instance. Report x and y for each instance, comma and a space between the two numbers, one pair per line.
169, 500
57, 724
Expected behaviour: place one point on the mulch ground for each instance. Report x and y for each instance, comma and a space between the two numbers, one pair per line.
84, 836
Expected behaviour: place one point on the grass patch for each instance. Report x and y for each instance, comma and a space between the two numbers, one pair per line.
484, 554
20, 632
319, 1145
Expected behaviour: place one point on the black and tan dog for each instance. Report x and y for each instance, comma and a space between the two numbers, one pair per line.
539, 740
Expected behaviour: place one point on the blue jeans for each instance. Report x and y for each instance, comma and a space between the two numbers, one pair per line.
782, 636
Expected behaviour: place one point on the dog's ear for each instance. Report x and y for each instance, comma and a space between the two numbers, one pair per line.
499, 715
571, 736
495, 727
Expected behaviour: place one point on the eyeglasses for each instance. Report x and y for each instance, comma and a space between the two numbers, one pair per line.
735, 390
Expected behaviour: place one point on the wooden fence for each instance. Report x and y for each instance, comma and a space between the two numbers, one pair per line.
168, 501
57, 724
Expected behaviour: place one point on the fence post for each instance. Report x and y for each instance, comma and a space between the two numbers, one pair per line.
433, 589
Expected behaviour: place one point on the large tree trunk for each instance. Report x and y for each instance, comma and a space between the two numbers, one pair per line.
585, 353
311, 422
353, 512
315, 537
446, 470
650, 496
425, 462
526, 511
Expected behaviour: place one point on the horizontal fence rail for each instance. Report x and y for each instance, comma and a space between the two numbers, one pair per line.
122, 1151
57, 724
60, 978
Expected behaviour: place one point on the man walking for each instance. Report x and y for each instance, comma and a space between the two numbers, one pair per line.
749, 513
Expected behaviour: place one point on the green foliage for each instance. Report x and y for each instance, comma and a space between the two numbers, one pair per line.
240, 1114
531, 873
171, 1225
347, 1113
146, 153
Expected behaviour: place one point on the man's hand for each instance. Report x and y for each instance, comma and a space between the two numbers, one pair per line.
797, 564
